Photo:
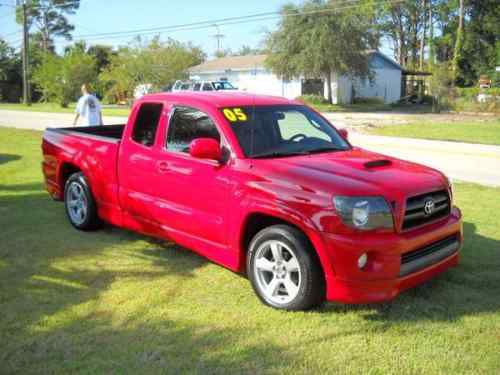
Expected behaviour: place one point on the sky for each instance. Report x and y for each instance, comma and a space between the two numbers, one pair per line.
102, 16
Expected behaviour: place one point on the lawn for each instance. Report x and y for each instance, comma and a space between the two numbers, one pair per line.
53, 107
486, 132
116, 302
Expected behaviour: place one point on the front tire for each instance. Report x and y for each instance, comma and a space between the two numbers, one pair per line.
284, 270
80, 205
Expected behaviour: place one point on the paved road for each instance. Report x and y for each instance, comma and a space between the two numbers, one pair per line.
460, 161
43, 120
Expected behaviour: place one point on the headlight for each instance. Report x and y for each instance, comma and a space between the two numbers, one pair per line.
364, 212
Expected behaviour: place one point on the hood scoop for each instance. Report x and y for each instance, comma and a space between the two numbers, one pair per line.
377, 163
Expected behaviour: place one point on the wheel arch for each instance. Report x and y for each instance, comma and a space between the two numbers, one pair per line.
66, 169
258, 220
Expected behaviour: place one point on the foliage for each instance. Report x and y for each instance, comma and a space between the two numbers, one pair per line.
10, 73
49, 17
60, 77
157, 63
312, 44
10, 63
402, 23
312, 99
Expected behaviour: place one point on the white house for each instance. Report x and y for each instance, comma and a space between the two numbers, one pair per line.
249, 73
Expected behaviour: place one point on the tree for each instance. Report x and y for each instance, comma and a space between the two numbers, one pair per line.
60, 77
10, 73
457, 53
49, 17
312, 41
157, 63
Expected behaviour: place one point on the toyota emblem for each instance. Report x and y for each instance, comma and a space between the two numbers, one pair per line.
429, 207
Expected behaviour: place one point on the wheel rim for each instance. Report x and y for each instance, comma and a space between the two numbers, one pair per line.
77, 203
277, 272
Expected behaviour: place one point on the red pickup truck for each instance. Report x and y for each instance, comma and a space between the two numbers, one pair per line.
261, 185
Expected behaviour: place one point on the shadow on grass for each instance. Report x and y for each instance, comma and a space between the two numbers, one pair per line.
470, 289
54, 280
5, 158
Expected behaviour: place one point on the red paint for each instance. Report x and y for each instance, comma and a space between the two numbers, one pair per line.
204, 204
205, 148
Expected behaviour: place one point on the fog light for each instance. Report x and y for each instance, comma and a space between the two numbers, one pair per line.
362, 260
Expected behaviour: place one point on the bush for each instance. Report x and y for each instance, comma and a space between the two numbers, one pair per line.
473, 92
313, 99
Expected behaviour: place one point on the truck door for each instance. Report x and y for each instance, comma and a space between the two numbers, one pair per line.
137, 166
192, 193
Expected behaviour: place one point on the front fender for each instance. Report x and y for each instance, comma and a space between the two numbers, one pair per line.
249, 207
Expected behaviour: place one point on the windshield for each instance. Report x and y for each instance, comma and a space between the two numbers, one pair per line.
279, 131
223, 86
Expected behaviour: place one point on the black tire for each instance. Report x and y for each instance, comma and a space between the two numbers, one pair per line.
90, 221
311, 287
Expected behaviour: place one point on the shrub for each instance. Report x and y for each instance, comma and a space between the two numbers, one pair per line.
312, 99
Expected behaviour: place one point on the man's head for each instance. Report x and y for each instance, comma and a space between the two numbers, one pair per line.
85, 89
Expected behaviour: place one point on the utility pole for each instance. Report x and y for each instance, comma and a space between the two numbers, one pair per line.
218, 36
26, 84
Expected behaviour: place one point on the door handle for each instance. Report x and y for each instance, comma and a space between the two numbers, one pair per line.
162, 167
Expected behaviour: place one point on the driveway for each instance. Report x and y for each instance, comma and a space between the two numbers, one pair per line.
460, 161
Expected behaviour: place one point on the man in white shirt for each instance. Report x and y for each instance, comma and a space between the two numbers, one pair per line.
88, 108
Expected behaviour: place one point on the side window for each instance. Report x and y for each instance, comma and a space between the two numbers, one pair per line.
207, 87
146, 123
197, 87
188, 124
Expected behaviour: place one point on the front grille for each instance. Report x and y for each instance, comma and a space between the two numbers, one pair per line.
415, 214
426, 256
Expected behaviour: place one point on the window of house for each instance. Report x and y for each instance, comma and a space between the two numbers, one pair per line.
146, 123
188, 124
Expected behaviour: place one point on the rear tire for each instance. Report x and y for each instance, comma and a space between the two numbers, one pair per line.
80, 205
284, 270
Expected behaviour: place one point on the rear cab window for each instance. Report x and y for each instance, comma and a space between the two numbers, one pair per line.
146, 124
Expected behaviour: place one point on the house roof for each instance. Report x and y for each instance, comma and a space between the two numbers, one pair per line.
385, 57
251, 62
230, 63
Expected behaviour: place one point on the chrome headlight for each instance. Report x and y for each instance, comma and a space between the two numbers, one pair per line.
364, 213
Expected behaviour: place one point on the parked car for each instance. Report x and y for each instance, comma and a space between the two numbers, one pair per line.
202, 86
263, 186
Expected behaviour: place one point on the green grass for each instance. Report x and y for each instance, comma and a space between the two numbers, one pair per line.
53, 107
113, 302
486, 132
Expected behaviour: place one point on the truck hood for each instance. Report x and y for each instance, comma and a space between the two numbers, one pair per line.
355, 172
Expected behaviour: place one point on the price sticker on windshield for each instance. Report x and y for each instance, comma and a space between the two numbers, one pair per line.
235, 114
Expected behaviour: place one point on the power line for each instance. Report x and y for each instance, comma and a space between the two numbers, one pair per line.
223, 21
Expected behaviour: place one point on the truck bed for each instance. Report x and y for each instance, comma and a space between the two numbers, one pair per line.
110, 132
91, 149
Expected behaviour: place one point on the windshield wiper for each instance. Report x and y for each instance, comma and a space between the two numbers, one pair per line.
279, 154
325, 149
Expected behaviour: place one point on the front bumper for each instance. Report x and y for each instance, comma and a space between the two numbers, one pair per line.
384, 277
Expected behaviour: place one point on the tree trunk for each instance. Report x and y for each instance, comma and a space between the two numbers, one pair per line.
431, 37
329, 86
422, 39
458, 42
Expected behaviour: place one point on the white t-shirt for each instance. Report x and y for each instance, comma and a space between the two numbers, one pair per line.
89, 108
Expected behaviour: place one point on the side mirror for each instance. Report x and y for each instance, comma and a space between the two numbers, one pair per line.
344, 134
205, 148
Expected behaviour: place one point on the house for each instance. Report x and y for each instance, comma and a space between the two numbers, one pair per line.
250, 74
